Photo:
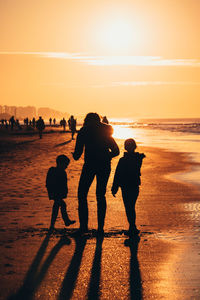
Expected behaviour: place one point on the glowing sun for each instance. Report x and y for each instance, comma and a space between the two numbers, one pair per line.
117, 34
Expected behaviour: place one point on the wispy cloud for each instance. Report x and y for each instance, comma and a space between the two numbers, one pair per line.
146, 83
113, 60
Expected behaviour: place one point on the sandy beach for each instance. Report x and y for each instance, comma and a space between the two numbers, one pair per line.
163, 263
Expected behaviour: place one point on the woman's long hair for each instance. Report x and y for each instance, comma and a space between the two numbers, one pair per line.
91, 119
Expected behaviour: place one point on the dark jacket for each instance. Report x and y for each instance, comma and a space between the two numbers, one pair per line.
99, 145
127, 173
56, 183
40, 124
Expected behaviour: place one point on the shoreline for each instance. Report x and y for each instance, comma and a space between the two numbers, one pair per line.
186, 177
167, 256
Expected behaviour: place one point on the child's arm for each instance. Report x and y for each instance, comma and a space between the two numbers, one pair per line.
114, 148
141, 156
49, 180
116, 181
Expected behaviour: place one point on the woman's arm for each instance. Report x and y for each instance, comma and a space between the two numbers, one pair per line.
79, 145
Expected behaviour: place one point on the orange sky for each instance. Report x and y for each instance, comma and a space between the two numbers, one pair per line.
119, 58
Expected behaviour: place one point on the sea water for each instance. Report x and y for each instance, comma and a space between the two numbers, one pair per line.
179, 135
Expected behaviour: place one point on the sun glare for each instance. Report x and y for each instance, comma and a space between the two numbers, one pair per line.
117, 34
122, 132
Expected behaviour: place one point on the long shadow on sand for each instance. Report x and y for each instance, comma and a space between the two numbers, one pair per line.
93, 291
69, 281
35, 276
135, 282
62, 144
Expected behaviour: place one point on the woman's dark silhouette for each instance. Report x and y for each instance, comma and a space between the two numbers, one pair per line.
100, 148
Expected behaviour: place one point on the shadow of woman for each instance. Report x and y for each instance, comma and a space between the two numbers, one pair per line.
93, 290
34, 277
73, 269
135, 281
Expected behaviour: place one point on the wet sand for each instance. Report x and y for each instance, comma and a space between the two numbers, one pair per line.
163, 263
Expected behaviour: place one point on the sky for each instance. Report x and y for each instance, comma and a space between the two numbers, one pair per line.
137, 59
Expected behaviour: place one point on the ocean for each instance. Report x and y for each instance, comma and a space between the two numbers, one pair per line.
179, 135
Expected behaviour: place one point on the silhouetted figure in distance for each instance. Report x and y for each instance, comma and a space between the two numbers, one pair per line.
18, 124
63, 123
72, 125
96, 138
56, 184
12, 122
127, 176
105, 120
40, 126
54, 121
33, 122
26, 122
50, 121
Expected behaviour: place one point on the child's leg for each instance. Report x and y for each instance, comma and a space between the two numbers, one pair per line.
54, 214
65, 216
129, 198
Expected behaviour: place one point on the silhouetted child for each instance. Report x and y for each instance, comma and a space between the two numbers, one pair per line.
56, 183
127, 176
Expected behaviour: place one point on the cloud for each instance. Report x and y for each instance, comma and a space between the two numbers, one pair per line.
112, 60
146, 83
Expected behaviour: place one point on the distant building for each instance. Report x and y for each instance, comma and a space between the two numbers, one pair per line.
47, 113
10, 110
22, 112
27, 111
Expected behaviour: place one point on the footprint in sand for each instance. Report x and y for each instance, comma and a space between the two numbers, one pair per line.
8, 265
10, 273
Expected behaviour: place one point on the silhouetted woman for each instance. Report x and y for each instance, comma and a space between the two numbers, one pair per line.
100, 148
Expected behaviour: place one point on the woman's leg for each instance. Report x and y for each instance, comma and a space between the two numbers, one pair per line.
87, 176
102, 180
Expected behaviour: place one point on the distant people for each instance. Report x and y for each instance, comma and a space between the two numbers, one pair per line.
12, 122
26, 122
127, 177
105, 120
18, 124
50, 121
56, 184
72, 125
96, 138
63, 123
33, 122
54, 121
40, 126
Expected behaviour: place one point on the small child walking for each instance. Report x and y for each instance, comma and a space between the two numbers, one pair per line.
127, 177
56, 184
